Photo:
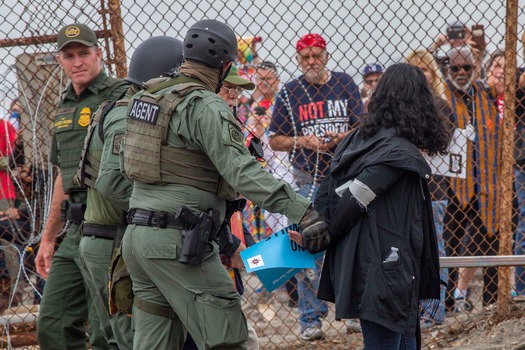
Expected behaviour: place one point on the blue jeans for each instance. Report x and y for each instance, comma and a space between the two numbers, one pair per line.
310, 308
438, 208
519, 239
377, 337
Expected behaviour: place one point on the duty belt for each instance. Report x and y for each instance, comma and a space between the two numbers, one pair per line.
99, 231
160, 219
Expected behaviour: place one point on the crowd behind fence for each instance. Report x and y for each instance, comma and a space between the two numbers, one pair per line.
460, 48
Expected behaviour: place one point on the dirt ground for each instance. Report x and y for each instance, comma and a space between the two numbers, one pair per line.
278, 328
479, 330
472, 331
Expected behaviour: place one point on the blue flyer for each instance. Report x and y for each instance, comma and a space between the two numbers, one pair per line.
276, 259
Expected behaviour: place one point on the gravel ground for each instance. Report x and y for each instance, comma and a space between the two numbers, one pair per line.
278, 328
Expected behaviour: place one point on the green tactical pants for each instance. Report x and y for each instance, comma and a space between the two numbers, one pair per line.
203, 296
66, 303
95, 257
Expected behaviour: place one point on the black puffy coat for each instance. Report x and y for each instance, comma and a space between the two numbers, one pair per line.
354, 274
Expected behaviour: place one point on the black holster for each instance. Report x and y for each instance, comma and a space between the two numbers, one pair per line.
197, 237
76, 212
73, 212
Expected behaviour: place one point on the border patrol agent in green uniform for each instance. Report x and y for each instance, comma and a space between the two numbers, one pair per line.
185, 152
66, 303
104, 222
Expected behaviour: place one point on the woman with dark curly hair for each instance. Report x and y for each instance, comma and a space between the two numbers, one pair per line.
383, 258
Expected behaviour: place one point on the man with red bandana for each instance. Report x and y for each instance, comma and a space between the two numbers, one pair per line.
312, 114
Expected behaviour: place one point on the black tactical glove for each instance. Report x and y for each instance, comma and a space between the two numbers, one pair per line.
314, 231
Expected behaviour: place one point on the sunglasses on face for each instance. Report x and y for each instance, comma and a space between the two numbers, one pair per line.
465, 67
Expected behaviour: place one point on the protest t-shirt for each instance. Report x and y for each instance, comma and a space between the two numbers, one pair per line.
316, 109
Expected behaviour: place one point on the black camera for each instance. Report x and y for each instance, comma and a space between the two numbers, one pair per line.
456, 32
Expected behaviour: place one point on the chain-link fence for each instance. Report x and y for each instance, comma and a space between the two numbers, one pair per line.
455, 43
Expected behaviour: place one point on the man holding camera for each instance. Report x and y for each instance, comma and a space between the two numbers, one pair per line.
458, 35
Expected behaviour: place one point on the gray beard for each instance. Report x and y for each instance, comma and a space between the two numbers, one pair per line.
314, 77
463, 88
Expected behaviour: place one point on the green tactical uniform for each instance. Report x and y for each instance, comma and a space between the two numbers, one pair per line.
102, 222
110, 181
203, 296
66, 303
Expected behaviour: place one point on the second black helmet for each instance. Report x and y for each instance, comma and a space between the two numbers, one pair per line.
154, 57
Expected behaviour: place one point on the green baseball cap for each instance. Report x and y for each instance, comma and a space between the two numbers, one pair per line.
235, 79
76, 33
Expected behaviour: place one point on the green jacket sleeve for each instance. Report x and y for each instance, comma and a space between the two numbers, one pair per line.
110, 181
212, 127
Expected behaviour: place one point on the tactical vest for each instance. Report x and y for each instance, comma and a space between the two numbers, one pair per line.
147, 156
70, 131
89, 165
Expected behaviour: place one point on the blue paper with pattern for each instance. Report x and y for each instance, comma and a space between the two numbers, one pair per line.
276, 258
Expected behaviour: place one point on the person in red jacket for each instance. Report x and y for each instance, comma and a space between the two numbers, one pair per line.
7, 144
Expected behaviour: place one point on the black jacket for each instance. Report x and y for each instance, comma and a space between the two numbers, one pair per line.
354, 275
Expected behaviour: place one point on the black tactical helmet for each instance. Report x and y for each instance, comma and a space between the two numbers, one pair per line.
210, 42
154, 57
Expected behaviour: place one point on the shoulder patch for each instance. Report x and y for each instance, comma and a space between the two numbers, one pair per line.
117, 141
236, 136
146, 112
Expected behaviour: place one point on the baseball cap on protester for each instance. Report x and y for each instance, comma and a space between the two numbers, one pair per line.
76, 33
235, 79
310, 40
371, 69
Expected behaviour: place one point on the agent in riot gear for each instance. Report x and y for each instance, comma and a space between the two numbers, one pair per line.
190, 153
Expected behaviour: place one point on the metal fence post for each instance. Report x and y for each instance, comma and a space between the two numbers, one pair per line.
505, 247
117, 37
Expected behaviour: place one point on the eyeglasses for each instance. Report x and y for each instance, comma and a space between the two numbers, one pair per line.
465, 67
236, 89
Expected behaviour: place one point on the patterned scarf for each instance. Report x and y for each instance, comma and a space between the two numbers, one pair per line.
484, 154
